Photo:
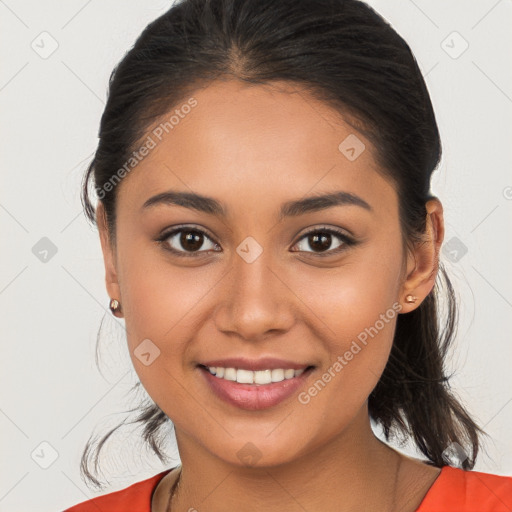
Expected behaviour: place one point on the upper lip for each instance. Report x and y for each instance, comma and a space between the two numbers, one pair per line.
264, 363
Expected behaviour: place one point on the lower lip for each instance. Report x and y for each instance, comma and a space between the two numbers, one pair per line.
251, 396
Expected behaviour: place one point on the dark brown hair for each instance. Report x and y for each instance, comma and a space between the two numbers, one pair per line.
348, 56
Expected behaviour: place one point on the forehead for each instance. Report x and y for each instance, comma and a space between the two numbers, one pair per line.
254, 144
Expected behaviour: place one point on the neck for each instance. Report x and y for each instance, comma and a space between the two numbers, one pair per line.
355, 471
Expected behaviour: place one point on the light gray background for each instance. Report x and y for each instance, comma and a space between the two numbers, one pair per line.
51, 310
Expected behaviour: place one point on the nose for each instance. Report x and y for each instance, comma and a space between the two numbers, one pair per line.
256, 300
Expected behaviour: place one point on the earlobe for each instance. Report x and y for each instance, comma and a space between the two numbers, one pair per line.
420, 281
109, 260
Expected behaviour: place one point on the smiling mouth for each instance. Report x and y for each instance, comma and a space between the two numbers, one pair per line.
258, 377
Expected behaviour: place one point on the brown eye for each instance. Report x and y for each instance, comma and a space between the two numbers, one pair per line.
191, 240
321, 240
188, 242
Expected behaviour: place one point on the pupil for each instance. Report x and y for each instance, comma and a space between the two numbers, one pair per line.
191, 240
325, 241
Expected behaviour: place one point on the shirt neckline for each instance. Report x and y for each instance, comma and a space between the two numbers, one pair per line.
431, 490
162, 475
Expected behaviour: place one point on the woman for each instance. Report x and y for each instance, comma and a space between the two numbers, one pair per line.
269, 236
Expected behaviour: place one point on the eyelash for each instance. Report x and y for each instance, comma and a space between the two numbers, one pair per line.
347, 241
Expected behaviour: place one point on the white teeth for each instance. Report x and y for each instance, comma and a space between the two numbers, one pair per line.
244, 376
288, 374
262, 377
257, 377
277, 375
229, 374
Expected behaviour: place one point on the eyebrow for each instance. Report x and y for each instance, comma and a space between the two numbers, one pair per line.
294, 208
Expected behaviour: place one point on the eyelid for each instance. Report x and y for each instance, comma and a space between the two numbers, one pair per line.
326, 228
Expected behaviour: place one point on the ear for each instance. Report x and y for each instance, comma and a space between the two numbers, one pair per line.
109, 256
423, 261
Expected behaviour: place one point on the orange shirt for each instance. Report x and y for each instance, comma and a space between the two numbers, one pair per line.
135, 498
454, 490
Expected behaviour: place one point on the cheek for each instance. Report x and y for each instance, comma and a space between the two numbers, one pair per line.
352, 296
159, 297
358, 351
356, 309
159, 303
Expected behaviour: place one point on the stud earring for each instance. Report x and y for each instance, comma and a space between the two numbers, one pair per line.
115, 306
410, 298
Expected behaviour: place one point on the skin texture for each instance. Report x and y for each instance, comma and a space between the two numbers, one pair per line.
253, 148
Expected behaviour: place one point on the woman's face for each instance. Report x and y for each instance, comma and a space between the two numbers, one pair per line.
256, 285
